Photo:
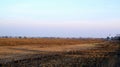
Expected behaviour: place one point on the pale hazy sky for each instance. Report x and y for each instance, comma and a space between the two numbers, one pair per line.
59, 18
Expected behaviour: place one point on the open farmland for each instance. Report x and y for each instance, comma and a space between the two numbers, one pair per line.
58, 52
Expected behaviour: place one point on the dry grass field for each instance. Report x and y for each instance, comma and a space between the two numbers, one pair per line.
14, 46
58, 52
46, 41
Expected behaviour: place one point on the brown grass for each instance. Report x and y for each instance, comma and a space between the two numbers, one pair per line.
60, 52
10, 47
45, 41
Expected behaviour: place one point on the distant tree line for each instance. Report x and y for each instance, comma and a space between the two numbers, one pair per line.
13, 37
25, 37
117, 37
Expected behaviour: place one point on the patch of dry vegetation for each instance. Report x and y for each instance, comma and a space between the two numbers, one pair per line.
104, 54
45, 41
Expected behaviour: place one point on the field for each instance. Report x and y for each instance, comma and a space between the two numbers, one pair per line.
59, 52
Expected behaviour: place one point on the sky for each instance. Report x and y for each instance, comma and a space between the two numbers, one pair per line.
59, 18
